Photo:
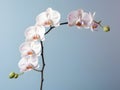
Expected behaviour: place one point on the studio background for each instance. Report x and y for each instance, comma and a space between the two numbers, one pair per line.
76, 59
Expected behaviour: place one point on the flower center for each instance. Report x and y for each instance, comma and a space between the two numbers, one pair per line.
36, 37
49, 22
30, 53
29, 67
79, 24
94, 25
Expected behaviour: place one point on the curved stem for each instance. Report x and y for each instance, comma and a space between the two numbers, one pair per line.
54, 27
49, 30
43, 66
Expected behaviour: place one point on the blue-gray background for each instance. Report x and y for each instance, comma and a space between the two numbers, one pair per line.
75, 59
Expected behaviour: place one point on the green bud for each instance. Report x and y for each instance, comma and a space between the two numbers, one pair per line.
11, 75
16, 76
106, 28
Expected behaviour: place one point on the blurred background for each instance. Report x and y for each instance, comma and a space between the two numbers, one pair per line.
76, 59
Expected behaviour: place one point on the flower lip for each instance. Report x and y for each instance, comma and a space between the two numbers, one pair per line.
49, 23
30, 52
36, 37
79, 24
29, 67
94, 26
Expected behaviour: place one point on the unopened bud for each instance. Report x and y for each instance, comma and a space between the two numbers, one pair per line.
12, 75
16, 76
106, 28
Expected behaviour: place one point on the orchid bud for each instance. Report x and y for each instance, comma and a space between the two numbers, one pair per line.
16, 76
106, 28
12, 75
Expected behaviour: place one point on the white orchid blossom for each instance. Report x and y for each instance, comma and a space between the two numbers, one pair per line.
80, 19
35, 33
28, 63
48, 18
74, 16
30, 48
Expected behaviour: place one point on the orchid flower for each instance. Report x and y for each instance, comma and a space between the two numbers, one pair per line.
35, 33
28, 63
74, 16
30, 48
48, 18
81, 19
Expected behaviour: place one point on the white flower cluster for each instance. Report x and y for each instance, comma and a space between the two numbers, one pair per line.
31, 48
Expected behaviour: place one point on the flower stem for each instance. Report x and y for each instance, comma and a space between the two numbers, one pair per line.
21, 73
43, 66
99, 23
49, 30
54, 27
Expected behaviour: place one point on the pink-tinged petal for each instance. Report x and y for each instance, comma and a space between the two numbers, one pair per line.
25, 48
40, 30
36, 47
30, 32
93, 14
22, 64
86, 19
41, 19
53, 16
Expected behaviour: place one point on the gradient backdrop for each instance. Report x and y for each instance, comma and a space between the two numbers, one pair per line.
75, 59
